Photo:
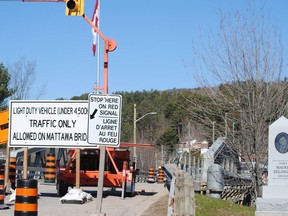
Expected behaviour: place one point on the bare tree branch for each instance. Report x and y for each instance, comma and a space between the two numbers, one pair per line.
23, 77
246, 60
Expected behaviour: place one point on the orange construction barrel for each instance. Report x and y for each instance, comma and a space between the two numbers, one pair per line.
50, 171
151, 175
26, 202
160, 175
2, 193
12, 171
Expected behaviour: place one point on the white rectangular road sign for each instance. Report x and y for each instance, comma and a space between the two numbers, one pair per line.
104, 119
61, 124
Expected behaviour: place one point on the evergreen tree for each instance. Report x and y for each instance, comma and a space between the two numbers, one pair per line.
5, 91
168, 140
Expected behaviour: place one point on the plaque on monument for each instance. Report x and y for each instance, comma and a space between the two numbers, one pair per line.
274, 199
278, 152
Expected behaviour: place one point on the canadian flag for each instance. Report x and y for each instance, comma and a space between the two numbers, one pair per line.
95, 20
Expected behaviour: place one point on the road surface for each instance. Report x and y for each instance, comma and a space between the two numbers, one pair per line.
49, 203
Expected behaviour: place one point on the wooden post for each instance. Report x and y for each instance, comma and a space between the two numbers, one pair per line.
6, 175
184, 195
181, 195
77, 168
25, 163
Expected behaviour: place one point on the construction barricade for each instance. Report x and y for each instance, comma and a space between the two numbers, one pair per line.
161, 175
151, 175
2, 193
50, 171
12, 172
26, 202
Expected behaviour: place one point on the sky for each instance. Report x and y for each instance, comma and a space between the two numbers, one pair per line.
154, 42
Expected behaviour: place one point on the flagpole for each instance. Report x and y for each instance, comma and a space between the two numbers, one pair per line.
98, 50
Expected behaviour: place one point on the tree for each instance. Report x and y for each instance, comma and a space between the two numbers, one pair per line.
5, 91
23, 77
81, 97
246, 62
168, 140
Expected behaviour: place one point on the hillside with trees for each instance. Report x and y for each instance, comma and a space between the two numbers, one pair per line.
172, 124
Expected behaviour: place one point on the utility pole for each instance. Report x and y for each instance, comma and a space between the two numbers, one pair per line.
226, 125
213, 135
135, 132
134, 137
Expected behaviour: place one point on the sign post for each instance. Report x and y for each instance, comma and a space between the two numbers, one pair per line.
104, 130
109, 46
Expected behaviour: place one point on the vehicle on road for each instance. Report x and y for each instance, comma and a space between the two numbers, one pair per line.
116, 175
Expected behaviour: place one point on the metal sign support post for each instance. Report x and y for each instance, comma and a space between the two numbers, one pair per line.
109, 46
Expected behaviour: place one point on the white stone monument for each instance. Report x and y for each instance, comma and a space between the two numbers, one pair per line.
274, 201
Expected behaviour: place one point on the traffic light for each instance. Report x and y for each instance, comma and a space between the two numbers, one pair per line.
74, 7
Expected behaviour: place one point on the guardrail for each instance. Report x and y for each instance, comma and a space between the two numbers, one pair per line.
33, 172
181, 191
142, 176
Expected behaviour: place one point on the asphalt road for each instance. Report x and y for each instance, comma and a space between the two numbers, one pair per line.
49, 203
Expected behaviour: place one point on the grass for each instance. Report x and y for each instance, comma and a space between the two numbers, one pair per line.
208, 206
205, 206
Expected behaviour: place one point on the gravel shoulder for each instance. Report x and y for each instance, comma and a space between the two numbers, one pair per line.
158, 208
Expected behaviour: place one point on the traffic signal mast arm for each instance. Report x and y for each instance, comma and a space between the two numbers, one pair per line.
43, 0
109, 46
95, 28
73, 7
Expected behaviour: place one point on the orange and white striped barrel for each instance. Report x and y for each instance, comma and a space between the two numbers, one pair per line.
50, 171
12, 171
26, 202
160, 175
151, 175
2, 171
2, 192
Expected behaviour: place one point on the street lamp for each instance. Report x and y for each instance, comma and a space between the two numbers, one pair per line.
134, 134
189, 159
